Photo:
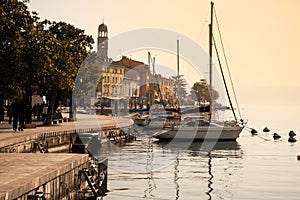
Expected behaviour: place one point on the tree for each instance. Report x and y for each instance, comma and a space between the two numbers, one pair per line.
68, 46
200, 91
89, 78
89, 82
180, 87
38, 56
16, 29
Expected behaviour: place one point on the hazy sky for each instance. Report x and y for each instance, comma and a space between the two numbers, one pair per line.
261, 37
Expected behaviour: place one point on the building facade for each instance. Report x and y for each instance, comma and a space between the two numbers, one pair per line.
130, 79
111, 84
161, 89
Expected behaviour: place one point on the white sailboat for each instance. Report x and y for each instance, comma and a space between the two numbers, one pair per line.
198, 127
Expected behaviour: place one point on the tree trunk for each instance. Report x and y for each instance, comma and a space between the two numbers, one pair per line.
71, 114
51, 108
28, 103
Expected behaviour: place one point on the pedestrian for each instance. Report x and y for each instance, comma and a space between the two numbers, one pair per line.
28, 114
15, 105
9, 113
1, 113
45, 111
39, 112
35, 110
22, 115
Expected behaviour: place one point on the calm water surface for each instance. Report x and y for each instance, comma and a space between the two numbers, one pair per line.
253, 167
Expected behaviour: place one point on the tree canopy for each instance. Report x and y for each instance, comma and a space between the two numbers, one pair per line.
38, 56
200, 91
180, 87
16, 29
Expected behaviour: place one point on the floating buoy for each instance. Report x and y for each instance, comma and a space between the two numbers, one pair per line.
292, 134
266, 129
253, 131
276, 136
292, 139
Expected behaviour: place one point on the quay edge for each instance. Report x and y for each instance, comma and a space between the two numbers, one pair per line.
23, 175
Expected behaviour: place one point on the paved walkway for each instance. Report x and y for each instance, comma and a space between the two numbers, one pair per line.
21, 173
8, 135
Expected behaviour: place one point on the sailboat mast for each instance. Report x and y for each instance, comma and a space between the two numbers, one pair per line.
158, 85
177, 59
177, 77
210, 47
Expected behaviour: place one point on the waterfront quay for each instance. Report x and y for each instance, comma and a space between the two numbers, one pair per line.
28, 173
23, 141
53, 175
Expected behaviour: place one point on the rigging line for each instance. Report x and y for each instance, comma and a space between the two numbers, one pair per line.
226, 88
203, 29
227, 65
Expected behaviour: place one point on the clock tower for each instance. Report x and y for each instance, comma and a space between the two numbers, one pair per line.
102, 47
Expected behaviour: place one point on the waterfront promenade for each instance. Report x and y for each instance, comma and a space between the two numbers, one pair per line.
25, 174
8, 136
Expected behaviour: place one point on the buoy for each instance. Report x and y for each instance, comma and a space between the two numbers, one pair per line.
276, 136
292, 134
266, 129
292, 139
253, 131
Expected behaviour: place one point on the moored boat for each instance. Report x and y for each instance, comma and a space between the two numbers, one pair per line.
213, 131
203, 127
141, 120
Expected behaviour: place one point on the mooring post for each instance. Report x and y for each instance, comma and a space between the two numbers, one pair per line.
102, 174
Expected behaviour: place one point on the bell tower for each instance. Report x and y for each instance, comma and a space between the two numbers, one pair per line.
102, 47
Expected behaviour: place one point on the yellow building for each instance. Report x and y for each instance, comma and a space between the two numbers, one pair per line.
112, 81
130, 79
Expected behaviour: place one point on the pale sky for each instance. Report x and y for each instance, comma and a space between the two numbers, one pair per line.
261, 37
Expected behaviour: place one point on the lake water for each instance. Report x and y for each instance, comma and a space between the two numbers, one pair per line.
253, 167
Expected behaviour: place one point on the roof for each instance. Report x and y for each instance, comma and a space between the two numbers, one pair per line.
127, 62
102, 27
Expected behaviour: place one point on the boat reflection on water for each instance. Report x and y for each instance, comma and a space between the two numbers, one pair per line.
210, 178
176, 177
201, 147
221, 162
151, 169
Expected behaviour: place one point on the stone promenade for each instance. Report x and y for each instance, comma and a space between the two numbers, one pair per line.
55, 175
8, 136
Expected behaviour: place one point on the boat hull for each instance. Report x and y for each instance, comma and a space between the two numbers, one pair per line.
199, 133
